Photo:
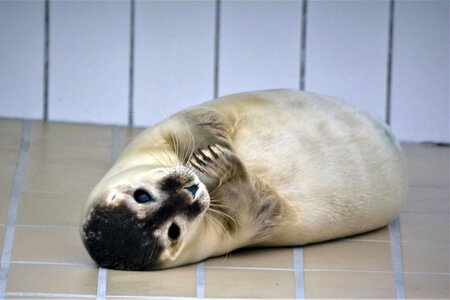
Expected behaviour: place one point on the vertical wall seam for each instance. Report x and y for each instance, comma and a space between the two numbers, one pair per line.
14, 205
200, 276
115, 151
396, 254
131, 66
304, 17
46, 56
299, 270
217, 47
389, 63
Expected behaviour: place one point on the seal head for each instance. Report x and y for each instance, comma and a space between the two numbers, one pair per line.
140, 218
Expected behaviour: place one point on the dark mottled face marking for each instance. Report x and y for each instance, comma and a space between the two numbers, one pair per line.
116, 239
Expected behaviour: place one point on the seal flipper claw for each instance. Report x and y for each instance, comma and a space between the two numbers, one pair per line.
217, 165
204, 156
216, 156
199, 160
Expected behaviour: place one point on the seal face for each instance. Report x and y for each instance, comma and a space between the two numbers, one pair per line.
137, 225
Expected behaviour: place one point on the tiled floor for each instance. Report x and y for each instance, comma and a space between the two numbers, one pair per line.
46, 171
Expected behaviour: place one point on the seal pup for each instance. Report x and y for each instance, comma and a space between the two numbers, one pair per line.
269, 168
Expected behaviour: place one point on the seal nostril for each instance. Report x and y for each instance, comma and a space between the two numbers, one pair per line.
174, 231
192, 189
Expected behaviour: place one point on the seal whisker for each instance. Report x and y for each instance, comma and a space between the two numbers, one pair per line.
157, 160
191, 139
218, 226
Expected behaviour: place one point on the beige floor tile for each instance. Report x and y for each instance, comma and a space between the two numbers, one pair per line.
60, 179
381, 234
93, 133
357, 285
61, 209
425, 257
10, 135
49, 245
256, 258
45, 298
71, 152
428, 166
426, 286
227, 283
177, 282
7, 173
349, 255
414, 151
427, 200
52, 279
10, 127
9, 149
433, 228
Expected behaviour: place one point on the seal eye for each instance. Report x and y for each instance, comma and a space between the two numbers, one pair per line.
192, 189
142, 196
174, 231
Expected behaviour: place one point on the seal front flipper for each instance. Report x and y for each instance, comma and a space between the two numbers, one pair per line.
216, 165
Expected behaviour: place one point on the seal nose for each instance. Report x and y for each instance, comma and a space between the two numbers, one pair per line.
192, 189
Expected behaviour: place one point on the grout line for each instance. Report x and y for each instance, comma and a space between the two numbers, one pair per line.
72, 228
115, 151
251, 268
304, 17
101, 283
217, 47
201, 280
347, 271
14, 205
389, 62
427, 273
25, 262
51, 263
362, 240
396, 253
131, 65
48, 295
46, 56
299, 270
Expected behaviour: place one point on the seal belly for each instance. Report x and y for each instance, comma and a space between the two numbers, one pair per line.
331, 162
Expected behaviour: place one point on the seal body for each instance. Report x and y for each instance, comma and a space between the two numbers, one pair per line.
270, 168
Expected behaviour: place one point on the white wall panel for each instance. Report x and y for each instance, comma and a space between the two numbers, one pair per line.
21, 59
174, 57
259, 45
346, 54
420, 83
89, 61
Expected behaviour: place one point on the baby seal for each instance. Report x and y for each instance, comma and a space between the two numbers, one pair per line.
261, 169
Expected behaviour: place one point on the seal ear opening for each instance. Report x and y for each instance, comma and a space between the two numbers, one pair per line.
174, 232
174, 240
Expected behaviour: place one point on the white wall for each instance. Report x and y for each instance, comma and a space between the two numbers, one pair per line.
107, 59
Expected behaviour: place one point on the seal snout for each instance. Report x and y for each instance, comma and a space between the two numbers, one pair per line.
115, 238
